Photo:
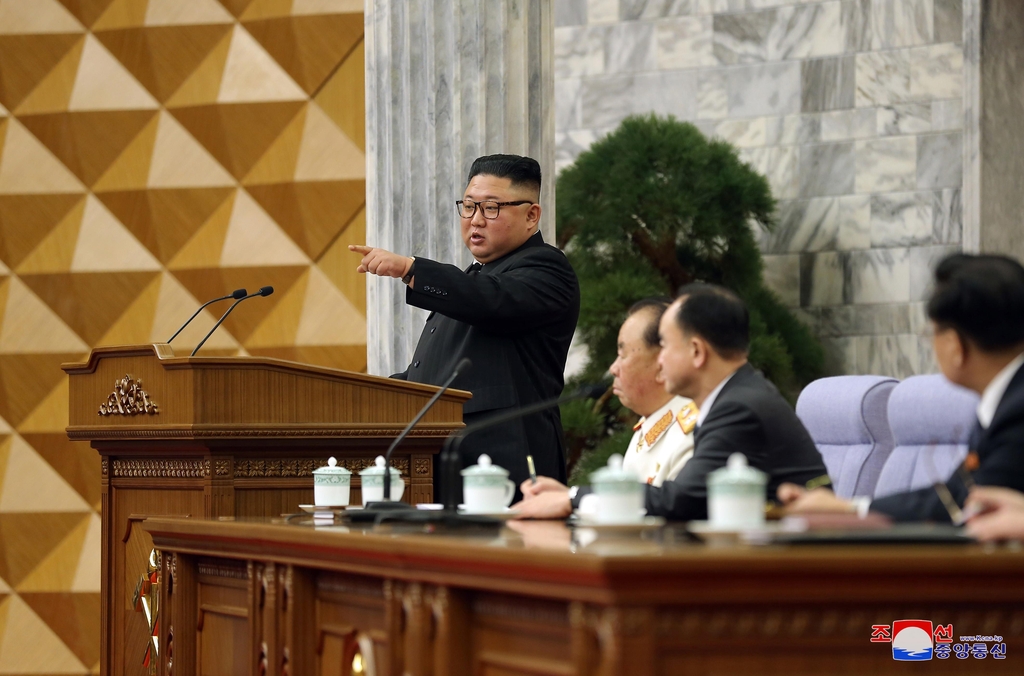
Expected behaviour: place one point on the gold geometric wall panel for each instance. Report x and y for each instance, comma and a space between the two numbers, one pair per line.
155, 154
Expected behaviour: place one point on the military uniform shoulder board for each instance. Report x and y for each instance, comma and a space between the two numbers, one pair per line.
658, 429
687, 417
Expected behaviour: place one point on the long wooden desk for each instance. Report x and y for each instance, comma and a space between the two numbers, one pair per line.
259, 596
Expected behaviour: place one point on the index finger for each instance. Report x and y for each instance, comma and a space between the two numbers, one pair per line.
360, 248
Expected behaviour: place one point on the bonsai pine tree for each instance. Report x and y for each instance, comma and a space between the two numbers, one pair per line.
650, 207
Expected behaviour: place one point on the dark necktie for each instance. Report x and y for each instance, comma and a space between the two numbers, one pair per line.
475, 267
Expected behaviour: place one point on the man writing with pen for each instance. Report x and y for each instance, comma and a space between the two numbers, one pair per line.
512, 312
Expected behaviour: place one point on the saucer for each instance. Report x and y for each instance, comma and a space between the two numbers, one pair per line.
323, 509
708, 532
635, 526
505, 514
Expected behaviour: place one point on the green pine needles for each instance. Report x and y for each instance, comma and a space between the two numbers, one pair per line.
648, 208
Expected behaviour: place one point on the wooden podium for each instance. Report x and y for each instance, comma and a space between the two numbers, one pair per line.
227, 437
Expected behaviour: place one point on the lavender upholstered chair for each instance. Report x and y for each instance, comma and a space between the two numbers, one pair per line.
931, 420
846, 416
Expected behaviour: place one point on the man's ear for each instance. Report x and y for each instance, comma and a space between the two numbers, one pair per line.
698, 351
533, 214
962, 351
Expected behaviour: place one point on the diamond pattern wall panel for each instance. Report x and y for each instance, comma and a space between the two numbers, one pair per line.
153, 154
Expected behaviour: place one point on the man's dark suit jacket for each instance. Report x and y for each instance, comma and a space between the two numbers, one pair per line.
514, 319
1000, 450
751, 417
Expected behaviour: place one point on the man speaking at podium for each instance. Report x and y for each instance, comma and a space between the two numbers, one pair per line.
512, 312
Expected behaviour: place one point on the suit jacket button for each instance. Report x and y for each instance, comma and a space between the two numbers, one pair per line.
416, 365
433, 328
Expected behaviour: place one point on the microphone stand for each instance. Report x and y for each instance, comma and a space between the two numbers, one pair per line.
236, 294
449, 516
386, 503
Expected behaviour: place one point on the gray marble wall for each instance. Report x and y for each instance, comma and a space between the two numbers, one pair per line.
446, 82
854, 111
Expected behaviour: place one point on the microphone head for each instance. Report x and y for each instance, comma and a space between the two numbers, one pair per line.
266, 291
239, 293
463, 364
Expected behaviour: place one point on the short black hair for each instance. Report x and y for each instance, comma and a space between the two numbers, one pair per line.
523, 172
981, 297
657, 306
717, 315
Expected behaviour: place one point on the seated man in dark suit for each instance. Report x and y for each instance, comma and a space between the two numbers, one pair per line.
512, 312
977, 315
704, 338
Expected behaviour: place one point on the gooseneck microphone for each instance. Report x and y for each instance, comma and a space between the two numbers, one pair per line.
264, 291
386, 502
236, 294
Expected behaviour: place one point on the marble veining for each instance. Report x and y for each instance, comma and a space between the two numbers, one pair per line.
936, 71
804, 225
631, 10
630, 47
579, 51
901, 23
923, 260
827, 169
901, 219
822, 278
685, 42
879, 276
904, 118
782, 275
939, 160
855, 21
827, 84
606, 100
763, 89
882, 77
886, 164
712, 96
947, 223
853, 230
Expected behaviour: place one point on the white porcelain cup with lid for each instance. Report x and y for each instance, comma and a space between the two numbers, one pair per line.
620, 494
486, 487
736, 495
331, 485
372, 479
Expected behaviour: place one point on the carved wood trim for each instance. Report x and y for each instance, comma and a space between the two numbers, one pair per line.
234, 572
128, 399
165, 469
260, 468
92, 433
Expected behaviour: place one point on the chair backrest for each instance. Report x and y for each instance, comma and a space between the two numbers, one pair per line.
931, 420
846, 417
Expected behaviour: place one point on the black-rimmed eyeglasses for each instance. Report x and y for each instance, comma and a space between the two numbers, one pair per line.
467, 208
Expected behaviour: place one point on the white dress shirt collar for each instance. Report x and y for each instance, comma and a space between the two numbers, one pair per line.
710, 400
993, 394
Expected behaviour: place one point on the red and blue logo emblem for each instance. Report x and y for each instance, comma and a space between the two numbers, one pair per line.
912, 640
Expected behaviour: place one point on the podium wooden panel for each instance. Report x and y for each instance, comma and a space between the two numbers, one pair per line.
537, 599
209, 437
